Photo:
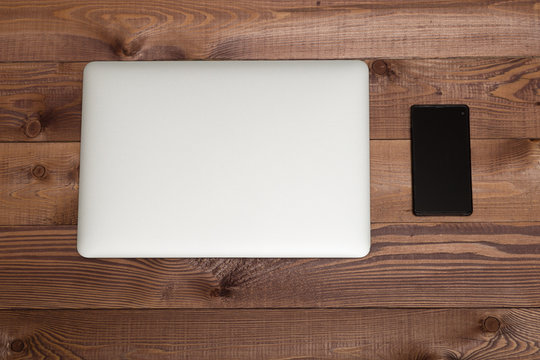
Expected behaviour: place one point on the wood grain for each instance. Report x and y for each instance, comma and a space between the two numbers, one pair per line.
501, 92
505, 182
63, 30
40, 101
271, 334
39, 183
410, 265
483, 270
40, 268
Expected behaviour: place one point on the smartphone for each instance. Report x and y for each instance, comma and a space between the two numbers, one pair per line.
441, 160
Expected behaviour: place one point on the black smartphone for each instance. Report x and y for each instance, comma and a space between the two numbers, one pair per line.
441, 160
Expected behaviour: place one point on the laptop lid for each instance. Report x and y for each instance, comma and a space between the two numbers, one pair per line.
224, 159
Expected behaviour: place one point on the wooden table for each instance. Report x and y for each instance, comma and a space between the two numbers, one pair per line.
432, 288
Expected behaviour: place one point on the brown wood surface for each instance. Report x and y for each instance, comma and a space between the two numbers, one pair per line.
64, 30
410, 265
39, 183
42, 101
432, 288
502, 93
505, 182
382, 334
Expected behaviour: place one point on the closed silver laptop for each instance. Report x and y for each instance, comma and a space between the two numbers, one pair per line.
225, 159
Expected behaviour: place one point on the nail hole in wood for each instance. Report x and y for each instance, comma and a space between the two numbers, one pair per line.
39, 171
379, 67
33, 126
491, 324
17, 345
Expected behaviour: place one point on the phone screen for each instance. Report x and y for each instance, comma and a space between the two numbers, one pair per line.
441, 160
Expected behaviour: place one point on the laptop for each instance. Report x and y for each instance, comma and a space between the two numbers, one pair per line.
225, 159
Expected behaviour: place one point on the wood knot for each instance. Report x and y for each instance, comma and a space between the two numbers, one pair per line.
39, 171
220, 292
226, 285
491, 324
415, 353
452, 356
32, 127
379, 67
17, 345
126, 49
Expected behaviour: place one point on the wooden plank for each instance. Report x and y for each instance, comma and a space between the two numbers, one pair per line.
505, 182
39, 183
502, 94
410, 265
42, 269
61, 30
385, 334
42, 101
